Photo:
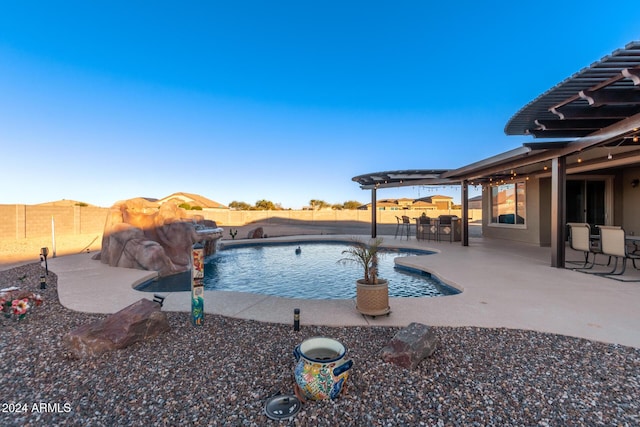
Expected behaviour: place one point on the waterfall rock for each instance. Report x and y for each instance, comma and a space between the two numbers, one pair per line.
144, 235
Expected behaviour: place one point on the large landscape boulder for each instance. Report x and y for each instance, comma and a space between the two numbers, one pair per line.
140, 321
410, 346
144, 235
256, 233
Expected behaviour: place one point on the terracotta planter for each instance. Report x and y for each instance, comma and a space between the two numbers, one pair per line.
372, 300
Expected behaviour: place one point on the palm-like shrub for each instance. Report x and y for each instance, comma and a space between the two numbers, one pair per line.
366, 256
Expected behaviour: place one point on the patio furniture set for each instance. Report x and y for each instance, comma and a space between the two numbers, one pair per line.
444, 227
610, 241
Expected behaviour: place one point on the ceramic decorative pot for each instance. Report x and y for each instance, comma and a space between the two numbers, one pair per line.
321, 371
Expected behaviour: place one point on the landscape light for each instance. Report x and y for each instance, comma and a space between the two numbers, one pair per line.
296, 319
43, 257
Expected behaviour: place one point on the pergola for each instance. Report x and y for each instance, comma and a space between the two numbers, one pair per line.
590, 121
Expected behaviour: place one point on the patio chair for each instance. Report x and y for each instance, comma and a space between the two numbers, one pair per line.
580, 240
613, 243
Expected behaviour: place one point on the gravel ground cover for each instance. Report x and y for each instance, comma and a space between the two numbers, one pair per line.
223, 372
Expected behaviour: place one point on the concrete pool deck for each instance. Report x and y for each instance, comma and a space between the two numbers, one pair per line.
504, 284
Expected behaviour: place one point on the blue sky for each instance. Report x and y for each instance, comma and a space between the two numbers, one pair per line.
284, 101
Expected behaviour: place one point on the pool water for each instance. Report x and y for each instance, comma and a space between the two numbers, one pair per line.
314, 273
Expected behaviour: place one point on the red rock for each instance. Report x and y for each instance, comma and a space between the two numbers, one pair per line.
410, 346
140, 321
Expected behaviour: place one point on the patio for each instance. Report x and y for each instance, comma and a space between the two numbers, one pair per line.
504, 283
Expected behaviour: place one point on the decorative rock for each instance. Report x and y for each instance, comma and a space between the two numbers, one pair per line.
256, 233
139, 321
410, 346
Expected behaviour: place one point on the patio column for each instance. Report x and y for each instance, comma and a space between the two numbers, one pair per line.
465, 213
558, 210
374, 210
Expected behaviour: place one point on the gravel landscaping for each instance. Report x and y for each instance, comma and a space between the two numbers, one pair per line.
223, 372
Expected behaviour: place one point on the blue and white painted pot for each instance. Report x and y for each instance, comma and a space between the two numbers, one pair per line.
321, 371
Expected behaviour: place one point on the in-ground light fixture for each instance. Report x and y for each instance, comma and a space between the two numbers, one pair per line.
44, 252
296, 319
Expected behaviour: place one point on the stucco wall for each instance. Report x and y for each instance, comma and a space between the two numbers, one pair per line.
630, 210
626, 205
530, 232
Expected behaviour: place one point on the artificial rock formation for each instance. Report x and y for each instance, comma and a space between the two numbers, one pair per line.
410, 346
144, 235
139, 321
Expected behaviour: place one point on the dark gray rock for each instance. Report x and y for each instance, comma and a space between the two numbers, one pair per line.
410, 346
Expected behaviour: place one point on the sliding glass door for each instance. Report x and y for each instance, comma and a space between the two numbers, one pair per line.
587, 201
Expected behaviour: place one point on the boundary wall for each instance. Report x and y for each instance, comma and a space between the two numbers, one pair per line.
239, 218
35, 221
19, 222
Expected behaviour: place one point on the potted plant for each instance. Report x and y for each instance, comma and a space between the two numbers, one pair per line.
372, 293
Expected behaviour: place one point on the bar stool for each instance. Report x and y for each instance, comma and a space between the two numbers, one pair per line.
398, 223
406, 225
403, 226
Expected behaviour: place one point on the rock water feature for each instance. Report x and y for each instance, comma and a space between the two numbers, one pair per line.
148, 236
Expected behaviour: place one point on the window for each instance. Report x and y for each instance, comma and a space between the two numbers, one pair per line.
508, 204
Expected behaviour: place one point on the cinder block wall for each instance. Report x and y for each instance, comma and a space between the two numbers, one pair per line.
10, 227
31, 221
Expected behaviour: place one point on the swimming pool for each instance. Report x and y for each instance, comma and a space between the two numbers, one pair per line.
314, 273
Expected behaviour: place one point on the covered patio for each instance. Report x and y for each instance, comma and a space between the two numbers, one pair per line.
584, 165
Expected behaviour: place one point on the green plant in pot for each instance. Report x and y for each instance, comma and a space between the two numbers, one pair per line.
372, 293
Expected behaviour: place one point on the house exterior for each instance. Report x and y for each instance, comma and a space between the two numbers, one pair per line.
440, 202
584, 165
475, 202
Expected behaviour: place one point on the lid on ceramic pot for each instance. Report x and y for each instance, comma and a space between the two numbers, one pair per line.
282, 406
